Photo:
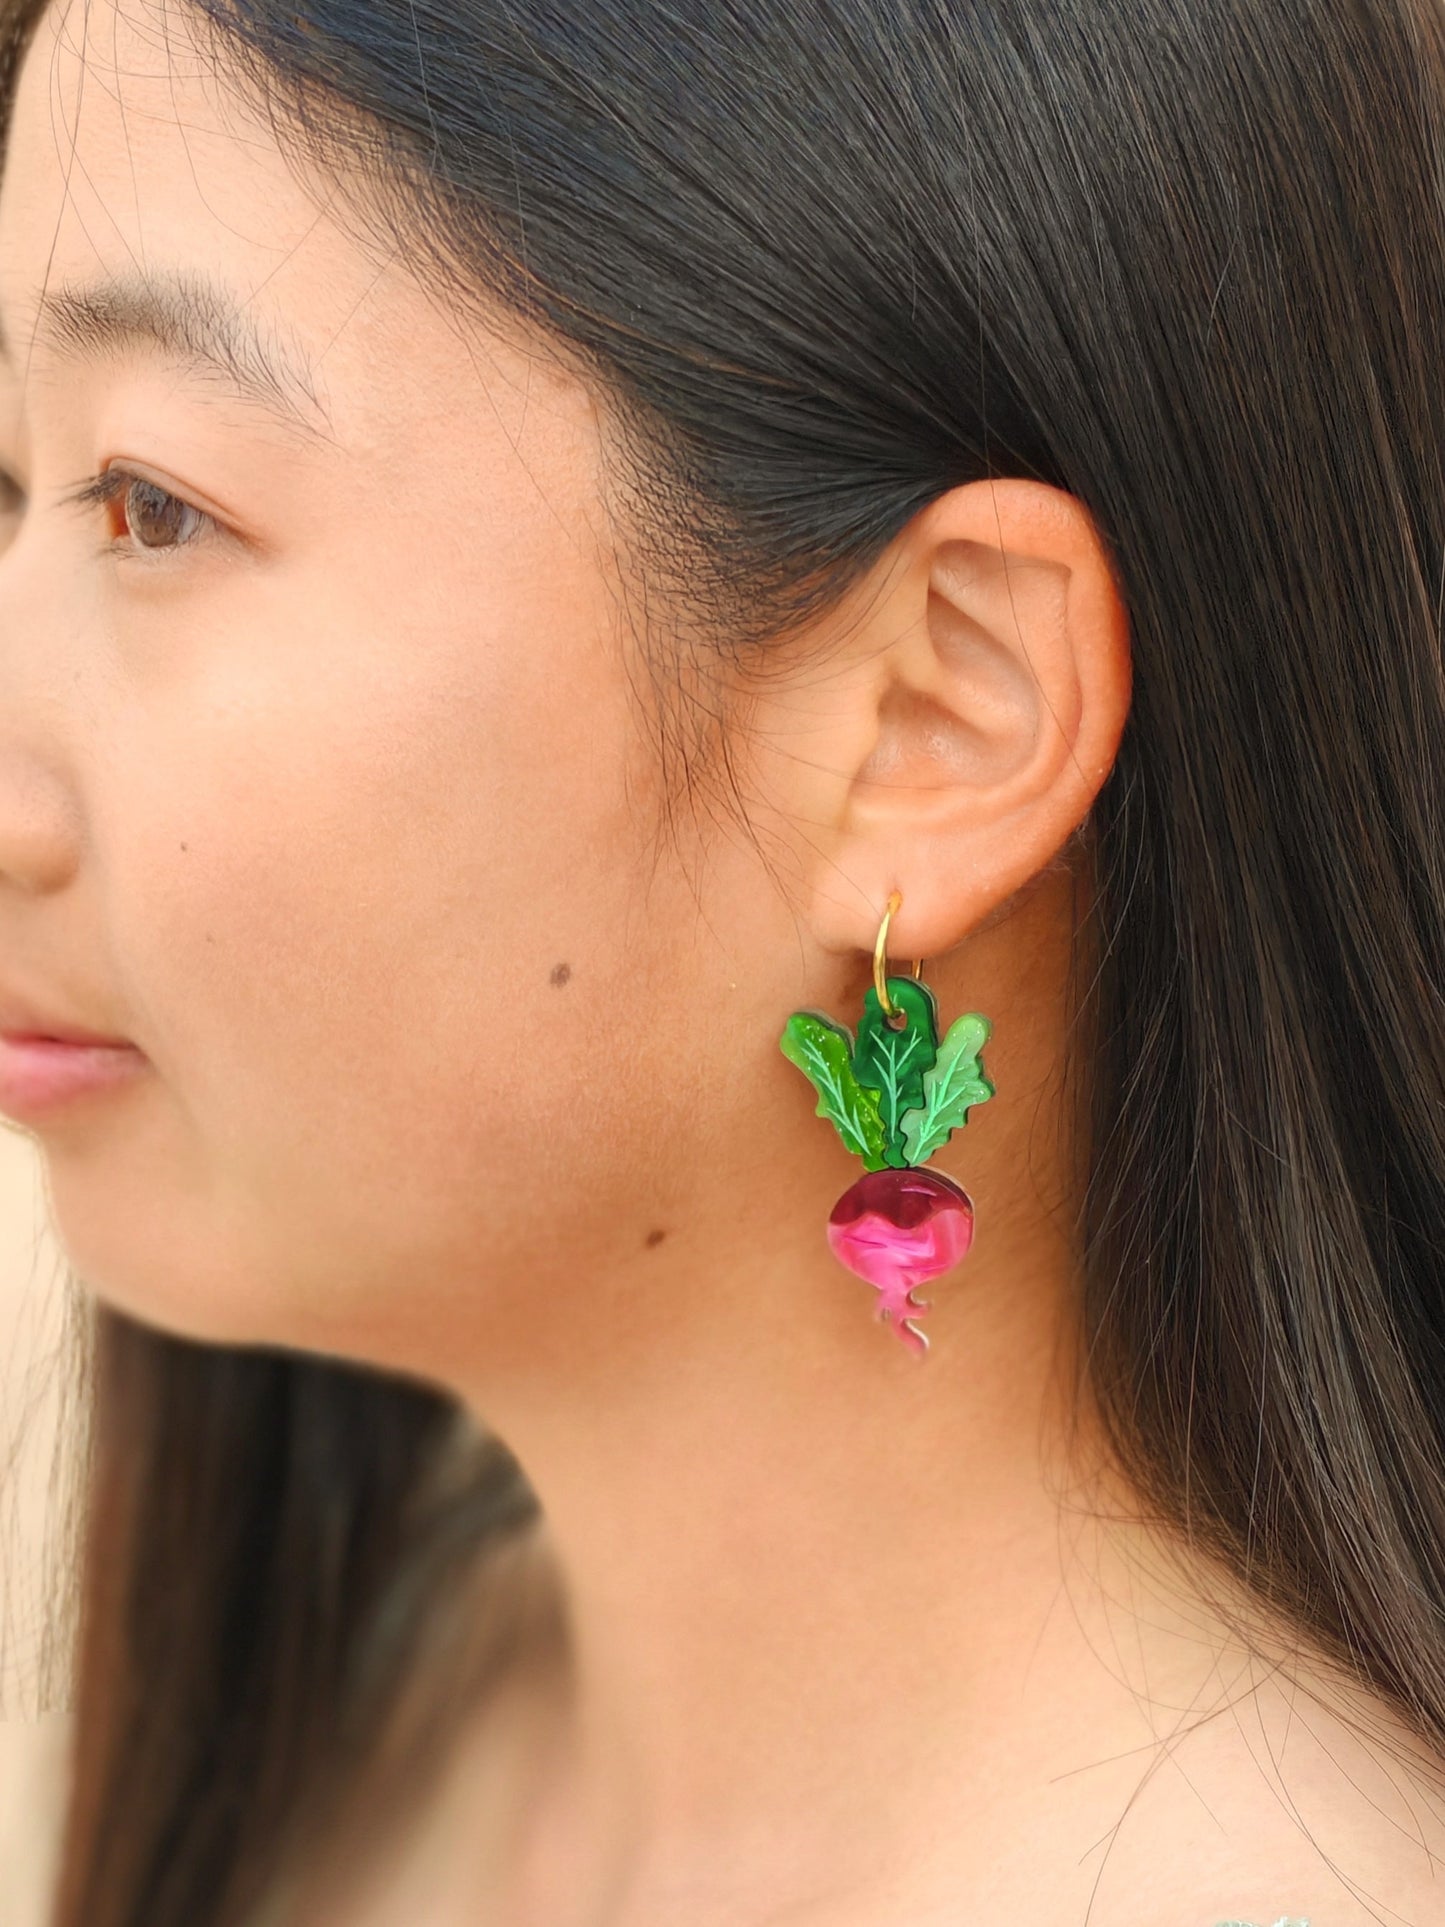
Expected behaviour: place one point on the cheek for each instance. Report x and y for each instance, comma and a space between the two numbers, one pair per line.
390, 957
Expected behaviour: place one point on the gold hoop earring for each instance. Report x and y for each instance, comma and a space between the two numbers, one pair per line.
890, 1010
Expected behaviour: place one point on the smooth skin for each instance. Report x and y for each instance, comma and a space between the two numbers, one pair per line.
333, 788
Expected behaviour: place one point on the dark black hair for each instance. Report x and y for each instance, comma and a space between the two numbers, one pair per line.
826, 259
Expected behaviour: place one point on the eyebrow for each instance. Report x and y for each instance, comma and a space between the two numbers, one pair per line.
190, 319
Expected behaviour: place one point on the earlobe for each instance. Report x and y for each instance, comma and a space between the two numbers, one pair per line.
982, 712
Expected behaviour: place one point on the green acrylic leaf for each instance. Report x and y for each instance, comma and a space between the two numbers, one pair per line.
822, 1050
955, 1082
893, 1062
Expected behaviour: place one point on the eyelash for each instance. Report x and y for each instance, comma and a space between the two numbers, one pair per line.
114, 483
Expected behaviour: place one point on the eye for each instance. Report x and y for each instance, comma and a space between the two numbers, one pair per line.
12, 505
153, 520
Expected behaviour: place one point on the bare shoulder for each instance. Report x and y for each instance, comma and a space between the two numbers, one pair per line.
1299, 1797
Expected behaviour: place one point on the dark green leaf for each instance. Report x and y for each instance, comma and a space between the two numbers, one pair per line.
893, 1062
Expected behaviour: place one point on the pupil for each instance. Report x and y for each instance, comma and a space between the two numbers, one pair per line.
156, 519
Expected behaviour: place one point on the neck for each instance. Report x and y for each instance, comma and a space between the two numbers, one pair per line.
804, 1573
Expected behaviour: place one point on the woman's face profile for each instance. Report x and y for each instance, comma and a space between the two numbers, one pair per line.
322, 778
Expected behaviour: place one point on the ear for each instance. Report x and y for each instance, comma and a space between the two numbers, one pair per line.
956, 720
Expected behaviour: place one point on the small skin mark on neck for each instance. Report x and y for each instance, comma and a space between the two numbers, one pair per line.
560, 973
655, 1238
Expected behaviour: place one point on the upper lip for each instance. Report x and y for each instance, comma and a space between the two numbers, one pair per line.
24, 1020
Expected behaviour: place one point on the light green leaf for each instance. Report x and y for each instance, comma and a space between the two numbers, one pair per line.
956, 1082
823, 1051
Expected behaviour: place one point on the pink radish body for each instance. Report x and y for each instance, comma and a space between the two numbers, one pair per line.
898, 1228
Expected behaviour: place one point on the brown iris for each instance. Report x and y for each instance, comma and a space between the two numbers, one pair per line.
154, 518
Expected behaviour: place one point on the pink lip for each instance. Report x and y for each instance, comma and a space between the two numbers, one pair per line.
37, 1073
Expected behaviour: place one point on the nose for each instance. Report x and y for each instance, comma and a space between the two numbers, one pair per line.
38, 810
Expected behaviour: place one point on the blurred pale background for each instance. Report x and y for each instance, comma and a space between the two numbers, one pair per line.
38, 1435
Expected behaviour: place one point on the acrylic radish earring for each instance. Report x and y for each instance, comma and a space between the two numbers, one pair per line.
894, 1096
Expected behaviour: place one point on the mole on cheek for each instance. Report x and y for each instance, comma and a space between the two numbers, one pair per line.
655, 1238
560, 973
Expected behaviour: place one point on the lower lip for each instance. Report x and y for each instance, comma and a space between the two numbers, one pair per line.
37, 1074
